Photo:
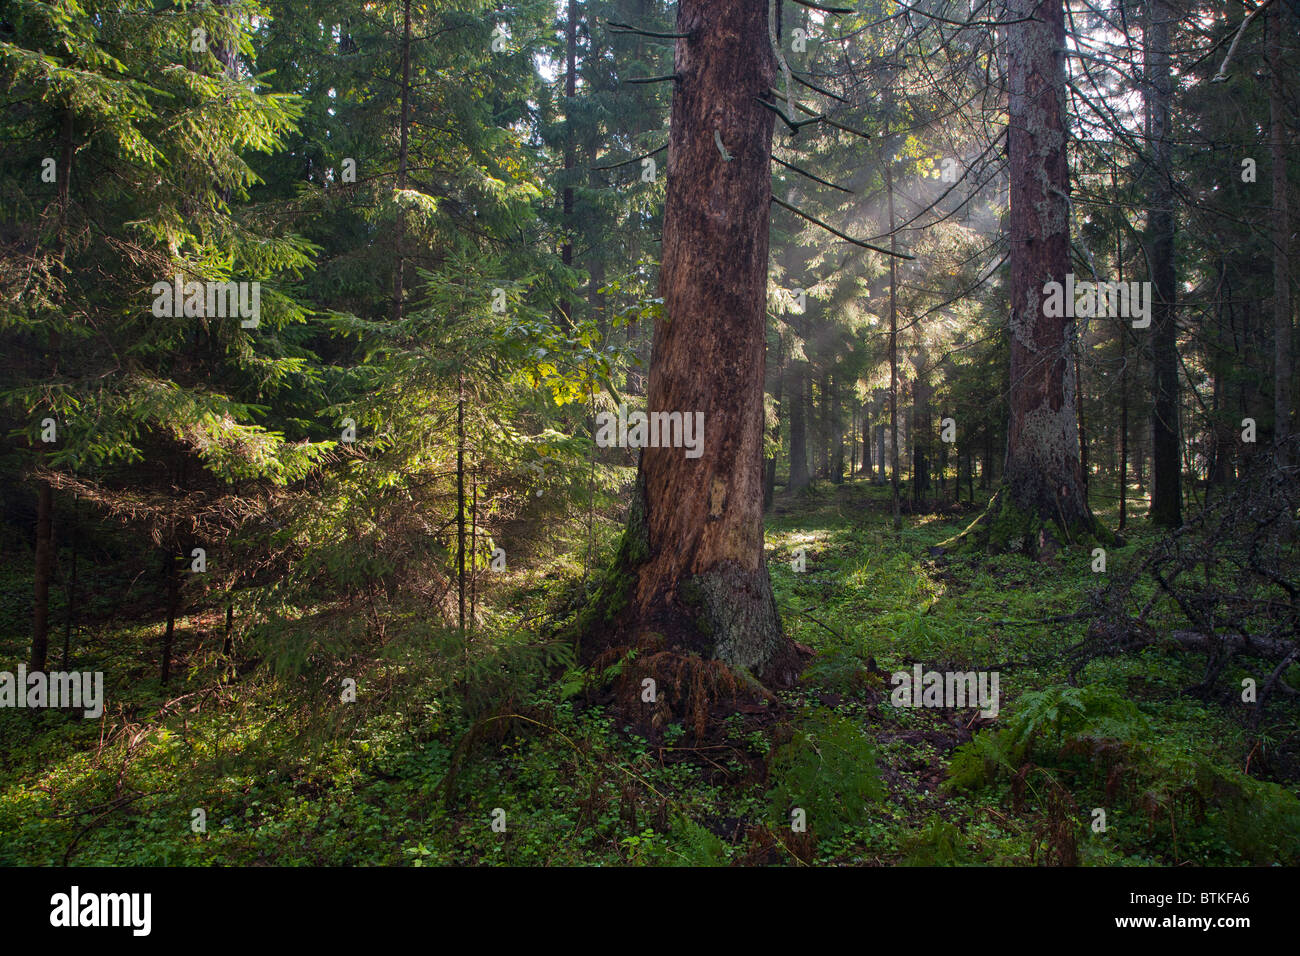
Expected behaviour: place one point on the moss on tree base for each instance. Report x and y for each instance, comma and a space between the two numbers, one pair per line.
726, 613
1007, 528
596, 625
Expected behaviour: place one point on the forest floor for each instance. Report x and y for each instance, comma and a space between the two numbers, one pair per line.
501, 752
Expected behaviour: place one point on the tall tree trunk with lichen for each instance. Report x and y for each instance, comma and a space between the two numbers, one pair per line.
1042, 484
1043, 476
690, 572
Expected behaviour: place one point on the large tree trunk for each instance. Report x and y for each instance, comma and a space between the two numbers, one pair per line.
690, 572
1166, 463
1042, 475
1042, 481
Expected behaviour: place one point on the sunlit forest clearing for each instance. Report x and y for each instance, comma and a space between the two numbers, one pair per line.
627, 432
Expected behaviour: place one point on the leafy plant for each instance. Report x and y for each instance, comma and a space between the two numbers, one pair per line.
1104, 744
828, 770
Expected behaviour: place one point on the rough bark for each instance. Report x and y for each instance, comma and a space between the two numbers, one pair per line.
690, 572
1042, 475
1042, 485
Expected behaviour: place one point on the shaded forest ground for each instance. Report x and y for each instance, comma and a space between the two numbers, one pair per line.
443, 733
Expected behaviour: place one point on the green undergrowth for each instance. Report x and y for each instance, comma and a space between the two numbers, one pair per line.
502, 749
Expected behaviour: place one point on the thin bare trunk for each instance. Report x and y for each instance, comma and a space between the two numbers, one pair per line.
402, 154
893, 347
44, 569
173, 602
570, 157
1123, 378
799, 476
1166, 460
70, 615
1281, 236
460, 499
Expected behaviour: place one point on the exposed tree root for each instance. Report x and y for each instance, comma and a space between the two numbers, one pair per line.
657, 685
